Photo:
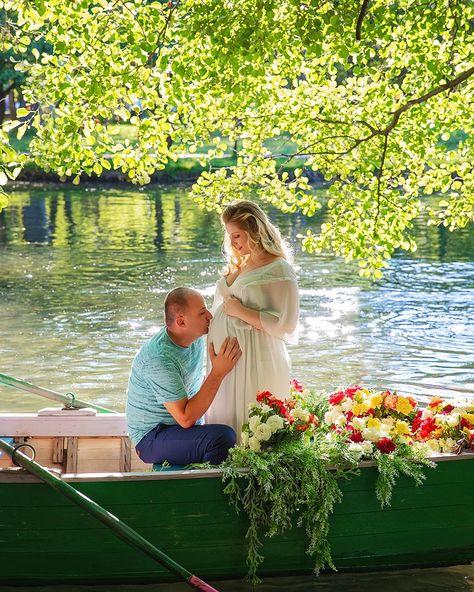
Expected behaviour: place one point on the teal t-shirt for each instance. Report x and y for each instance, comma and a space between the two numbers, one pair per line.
162, 372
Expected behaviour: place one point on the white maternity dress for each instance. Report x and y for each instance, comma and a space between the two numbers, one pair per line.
265, 364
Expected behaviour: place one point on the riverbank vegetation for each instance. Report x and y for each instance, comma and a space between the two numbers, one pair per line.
372, 96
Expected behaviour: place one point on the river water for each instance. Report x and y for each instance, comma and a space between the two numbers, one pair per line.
84, 271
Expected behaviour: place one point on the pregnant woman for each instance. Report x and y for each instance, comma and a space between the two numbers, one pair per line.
256, 301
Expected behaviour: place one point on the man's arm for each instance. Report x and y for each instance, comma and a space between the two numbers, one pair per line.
187, 411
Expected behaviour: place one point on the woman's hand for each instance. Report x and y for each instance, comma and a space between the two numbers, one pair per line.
233, 307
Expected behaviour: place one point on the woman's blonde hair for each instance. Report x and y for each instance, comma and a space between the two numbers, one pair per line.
252, 220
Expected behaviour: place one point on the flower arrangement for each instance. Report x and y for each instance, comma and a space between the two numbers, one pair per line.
272, 419
445, 426
373, 422
370, 422
295, 450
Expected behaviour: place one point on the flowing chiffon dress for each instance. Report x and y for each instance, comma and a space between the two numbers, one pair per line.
265, 364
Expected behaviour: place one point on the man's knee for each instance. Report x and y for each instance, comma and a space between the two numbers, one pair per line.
225, 436
221, 438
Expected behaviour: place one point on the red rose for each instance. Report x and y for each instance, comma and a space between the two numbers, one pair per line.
428, 425
351, 391
385, 445
357, 437
336, 398
263, 396
416, 421
448, 408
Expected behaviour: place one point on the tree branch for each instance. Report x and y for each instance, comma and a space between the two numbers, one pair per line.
362, 13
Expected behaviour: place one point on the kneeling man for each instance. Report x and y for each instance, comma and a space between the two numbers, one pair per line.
166, 400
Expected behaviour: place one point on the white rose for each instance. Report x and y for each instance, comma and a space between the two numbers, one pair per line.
253, 406
263, 432
275, 423
346, 405
328, 417
254, 422
371, 434
448, 445
422, 448
298, 413
359, 423
452, 420
356, 450
433, 445
367, 447
254, 444
245, 439
265, 408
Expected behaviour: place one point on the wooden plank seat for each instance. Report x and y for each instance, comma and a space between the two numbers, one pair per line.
74, 440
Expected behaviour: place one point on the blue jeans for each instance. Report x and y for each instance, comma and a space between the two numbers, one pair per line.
184, 446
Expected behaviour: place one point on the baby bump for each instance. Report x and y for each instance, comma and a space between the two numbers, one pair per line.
223, 326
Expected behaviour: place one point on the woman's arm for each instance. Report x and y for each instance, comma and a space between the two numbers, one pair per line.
281, 317
234, 308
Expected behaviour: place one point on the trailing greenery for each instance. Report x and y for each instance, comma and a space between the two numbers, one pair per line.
297, 481
391, 466
375, 96
287, 483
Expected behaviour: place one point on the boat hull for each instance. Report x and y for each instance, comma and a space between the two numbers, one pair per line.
46, 539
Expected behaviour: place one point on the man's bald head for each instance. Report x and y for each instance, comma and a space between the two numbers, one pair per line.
176, 303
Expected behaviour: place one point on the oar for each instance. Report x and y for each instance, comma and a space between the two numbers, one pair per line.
68, 399
119, 528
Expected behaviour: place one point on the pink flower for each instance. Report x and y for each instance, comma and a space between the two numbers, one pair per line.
296, 384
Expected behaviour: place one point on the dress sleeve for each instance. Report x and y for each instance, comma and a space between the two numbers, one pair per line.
281, 318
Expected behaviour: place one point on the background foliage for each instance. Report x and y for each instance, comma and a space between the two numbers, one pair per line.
375, 95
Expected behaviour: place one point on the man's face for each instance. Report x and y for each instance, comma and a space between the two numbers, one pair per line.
197, 316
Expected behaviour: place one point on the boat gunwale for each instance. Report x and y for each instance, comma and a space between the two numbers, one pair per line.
19, 475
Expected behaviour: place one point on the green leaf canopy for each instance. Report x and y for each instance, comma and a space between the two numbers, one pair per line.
376, 96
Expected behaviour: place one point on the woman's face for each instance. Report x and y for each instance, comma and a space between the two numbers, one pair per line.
239, 239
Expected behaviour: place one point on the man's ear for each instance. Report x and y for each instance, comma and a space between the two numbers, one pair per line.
180, 321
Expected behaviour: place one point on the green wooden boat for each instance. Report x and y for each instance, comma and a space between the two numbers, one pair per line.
46, 539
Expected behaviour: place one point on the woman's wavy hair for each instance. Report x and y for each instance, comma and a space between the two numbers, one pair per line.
252, 220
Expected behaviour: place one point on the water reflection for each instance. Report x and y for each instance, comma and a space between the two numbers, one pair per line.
83, 273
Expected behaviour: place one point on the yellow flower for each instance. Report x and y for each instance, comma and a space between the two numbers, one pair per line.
402, 427
360, 408
404, 406
468, 416
373, 422
405, 438
376, 401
